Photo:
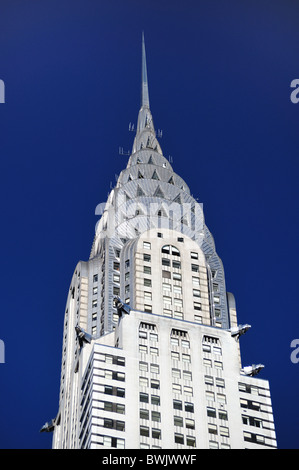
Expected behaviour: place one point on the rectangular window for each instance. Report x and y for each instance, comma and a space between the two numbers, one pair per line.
147, 245
176, 373
176, 388
177, 290
147, 270
148, 308
210, 396
212, 428
218, 365
120, 425
188, 391
142, 348
127, 263
165, 262
222, 414
147, 282
178, 303
207, 362
120, 408
190, 423
219, 382
143, 397
116, 277
177, 405
187, 375
196, 292
176, 264
147, 296
167, 301
221, 398
178, 421
178, 315
190, 441
209, 380
194, 255
95, 278
143, 366
156, 416
116, 290
166, 274
179, 438
127, 289
177, 276
94, 303
143, 382
195, 281
223, 431
186, 358
167, 312
189, 407
166, 287
155, 384
143, 414
155, 400
197, 305
144, 431
116, 266
153, 337
146, 257
95, 290
185, 343
211, 412
154, 351
175, 355
156, 433
195, 268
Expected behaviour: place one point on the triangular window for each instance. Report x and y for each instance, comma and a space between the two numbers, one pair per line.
127, 197
178, 199
150, 160
130, 178
138, 160
170, 181
140, 192
139, 211
140, 175
155, 176
184, 220
148, 143
161, 212
158, 192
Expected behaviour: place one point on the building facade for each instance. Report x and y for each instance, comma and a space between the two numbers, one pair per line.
151, 355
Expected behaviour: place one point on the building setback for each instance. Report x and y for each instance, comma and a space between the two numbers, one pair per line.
150, 355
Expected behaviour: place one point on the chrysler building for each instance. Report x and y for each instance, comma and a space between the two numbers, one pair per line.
151, 342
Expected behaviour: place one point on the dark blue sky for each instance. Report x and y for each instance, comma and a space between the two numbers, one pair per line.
219, 76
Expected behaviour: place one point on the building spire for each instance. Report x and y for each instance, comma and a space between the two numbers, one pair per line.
145, 137
144, 82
